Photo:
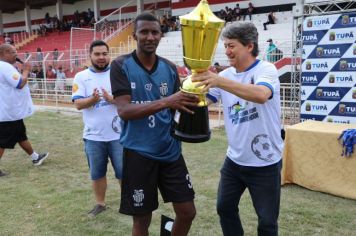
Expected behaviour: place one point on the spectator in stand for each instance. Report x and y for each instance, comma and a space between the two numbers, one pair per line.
50, 77
273, 53
27, 55
8, 39
164, 24
55, 57
217, 67
237, 12
55, 54
249, 11
222, 14
39, 73
39, 55
90, 16
271, 20
271, 48
76, 19
39, 77
60, 80
230, 15
47, 18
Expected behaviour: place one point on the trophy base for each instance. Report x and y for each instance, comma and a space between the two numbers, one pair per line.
193, 128
188, 138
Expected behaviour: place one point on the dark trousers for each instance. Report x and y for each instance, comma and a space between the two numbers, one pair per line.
267, 23
264, 185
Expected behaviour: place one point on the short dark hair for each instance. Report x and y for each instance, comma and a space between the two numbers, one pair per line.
97, 43
145, 16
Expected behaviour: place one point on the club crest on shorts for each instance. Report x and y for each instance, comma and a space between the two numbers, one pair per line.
138, 197
163, 89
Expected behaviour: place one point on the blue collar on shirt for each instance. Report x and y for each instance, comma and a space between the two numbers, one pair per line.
94, 71
251, 66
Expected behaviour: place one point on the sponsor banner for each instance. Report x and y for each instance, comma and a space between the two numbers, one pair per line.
344, 109
324, 22
313, 37
351, 52
350, 96
340, 119
305, 117
339, 36
327, 93
306, 91
310, 107
328, 78
312, 78
338, 79
329, 51
346, 20
319, 65
307, 50
345, 64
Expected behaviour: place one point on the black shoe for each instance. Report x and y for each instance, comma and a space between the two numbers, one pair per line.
96, 210
2, 174
40, 159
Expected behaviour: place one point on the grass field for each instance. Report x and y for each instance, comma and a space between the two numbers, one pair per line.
53, 199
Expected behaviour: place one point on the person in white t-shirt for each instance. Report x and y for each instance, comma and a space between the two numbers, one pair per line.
102, 126
250, 94
15, 105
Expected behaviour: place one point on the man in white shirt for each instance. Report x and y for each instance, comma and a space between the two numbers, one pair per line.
102, 128
15, 105
250, 94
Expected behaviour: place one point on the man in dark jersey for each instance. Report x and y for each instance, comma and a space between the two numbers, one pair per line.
146, 91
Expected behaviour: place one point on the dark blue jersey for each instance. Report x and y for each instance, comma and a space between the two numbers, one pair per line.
150, 136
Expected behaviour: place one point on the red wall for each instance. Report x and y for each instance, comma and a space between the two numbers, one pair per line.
193, 3
128, 9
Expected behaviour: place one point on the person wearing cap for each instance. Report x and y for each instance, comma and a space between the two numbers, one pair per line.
270, 55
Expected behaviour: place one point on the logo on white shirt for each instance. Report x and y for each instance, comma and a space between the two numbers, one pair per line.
262, 147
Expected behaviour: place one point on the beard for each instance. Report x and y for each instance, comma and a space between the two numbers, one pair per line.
99, 68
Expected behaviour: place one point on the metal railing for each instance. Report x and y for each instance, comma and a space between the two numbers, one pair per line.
59, 92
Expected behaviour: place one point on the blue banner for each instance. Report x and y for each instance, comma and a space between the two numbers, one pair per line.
328, 79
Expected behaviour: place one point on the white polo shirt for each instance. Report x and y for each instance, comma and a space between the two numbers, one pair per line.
253, 130
15, 103
101, 121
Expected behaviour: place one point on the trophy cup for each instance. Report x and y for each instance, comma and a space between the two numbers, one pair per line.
200, 34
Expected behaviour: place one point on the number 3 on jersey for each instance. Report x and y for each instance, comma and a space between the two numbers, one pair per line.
151, 121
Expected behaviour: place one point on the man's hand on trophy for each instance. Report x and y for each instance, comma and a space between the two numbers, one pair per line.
206, 79
181, 101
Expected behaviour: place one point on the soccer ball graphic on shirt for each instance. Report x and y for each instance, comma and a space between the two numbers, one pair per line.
116, 125
261, 146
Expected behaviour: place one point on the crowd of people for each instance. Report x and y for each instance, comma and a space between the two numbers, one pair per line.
54, 24
229, 15
128, 113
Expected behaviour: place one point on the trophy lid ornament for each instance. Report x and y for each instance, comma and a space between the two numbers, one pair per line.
200, 35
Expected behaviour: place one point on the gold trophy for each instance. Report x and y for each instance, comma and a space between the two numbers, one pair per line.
200, 34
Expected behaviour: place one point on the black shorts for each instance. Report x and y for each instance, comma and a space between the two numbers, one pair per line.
12, 132
142, 177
